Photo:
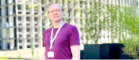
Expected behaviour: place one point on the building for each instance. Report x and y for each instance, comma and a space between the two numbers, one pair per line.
27, 24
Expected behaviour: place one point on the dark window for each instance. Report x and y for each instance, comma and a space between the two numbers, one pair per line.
20, 24
36, 35
36, 45
36, 19
28, 24
35, 13
20, 47
28, 29
36, 29
13, 9
0, 34
7, 11
20, 41
7, 19
36, 24
118, 1
0, 46
19, 12
43, 1
19, 18
28, 35
28, 18
13, 0
0, 2
0, 41
0, 11
28, 46
6, 1
27, 13
28, 40
20, 36
0, 22
42, 8
19, 7
36, 40
19, 29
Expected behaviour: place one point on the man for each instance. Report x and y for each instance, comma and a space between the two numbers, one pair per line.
61, 41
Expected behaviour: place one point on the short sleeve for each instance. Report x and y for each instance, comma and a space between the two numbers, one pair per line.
74, 36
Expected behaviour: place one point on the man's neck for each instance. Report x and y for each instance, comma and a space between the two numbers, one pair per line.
57, 24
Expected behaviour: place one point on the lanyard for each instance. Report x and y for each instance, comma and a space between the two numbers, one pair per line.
51, 38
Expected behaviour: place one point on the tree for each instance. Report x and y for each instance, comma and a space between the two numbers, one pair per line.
120, 20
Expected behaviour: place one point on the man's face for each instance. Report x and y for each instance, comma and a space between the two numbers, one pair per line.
55, 13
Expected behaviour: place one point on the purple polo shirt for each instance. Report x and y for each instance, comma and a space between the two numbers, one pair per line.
67, 36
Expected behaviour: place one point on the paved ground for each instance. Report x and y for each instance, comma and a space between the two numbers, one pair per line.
26, 53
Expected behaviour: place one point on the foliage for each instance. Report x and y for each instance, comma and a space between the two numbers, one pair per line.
3, 58
120, 20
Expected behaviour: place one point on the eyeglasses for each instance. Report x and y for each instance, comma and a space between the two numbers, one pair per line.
54, 11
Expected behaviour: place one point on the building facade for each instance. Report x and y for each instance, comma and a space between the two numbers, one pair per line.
22, 23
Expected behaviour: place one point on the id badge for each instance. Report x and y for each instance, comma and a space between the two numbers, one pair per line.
50, 54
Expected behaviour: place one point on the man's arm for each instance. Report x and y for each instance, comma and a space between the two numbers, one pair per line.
43, 57
75, 52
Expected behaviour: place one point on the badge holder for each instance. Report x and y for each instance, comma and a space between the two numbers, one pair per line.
50, 53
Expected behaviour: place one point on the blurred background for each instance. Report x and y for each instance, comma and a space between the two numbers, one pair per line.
22, 23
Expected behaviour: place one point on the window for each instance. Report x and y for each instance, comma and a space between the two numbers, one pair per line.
28, 35
0, 34
36, 19
0, 22
28, 18
19, 18
19, 7
28, 24
13, 0
43, 8
118, 1
36, 29
36, 35
20, 24
0, 11
35, 12
43, 1
36, 45
36, 24
20, 47
19, 12
20, 29
27, 12
0, 46
7, 10
28, 46
28, 29
43, 24
36, 40
0, 1
28, 40
20, 36
6, 1
13, 8
20, 41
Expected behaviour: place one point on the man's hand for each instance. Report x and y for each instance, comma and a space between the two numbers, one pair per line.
43, 56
